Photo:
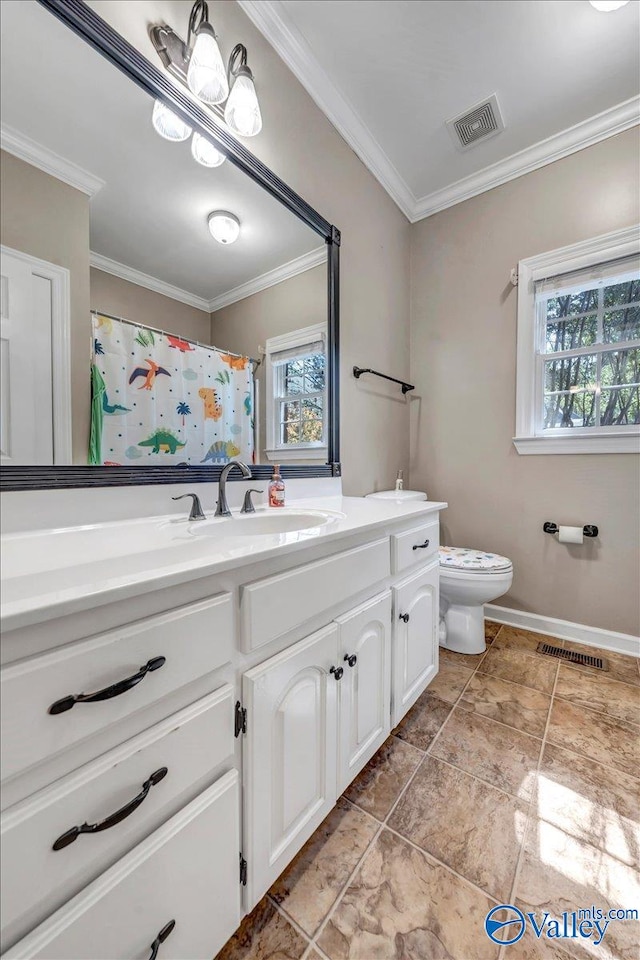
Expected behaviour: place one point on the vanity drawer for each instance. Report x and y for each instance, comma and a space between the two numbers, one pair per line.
415, 546
272, 607
193, 640
36, 879
187, 872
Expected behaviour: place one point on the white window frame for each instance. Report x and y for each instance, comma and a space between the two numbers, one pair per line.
578, 256
275, 450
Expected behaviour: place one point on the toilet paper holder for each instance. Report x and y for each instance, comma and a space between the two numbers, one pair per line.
589, 529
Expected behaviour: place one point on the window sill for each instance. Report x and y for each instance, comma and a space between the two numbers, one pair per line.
627, 443
297, 453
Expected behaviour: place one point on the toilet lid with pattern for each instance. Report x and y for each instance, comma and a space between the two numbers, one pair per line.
463, 558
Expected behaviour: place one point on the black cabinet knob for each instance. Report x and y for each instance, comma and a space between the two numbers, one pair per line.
405, 617
337, 672
351, 660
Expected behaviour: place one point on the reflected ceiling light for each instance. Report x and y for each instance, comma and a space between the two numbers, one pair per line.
606, 6
198, 64
224, 226
168, 124
206, 75
204, 151
242, 110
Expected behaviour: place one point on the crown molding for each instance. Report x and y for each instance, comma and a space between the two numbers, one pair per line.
272, 21
23, 147
301, 264
306, 262
145, 280
584, 134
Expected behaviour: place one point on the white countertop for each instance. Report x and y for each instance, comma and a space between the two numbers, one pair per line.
56, 572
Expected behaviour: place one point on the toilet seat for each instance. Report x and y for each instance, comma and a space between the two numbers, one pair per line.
464, 560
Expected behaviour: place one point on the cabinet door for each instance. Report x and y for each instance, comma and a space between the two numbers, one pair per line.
365, 688
415, 638
289, 754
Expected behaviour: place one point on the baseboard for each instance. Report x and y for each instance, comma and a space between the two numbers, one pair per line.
565, 629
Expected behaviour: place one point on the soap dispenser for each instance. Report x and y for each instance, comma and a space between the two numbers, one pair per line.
276, 489
399, 481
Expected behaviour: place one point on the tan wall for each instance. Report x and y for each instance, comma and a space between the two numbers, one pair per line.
121, 298
463, 349
375, 235
48, 219
247, 324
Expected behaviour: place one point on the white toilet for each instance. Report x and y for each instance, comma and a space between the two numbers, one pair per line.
468, 580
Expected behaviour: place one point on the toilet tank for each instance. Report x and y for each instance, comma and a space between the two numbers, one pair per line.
399, 496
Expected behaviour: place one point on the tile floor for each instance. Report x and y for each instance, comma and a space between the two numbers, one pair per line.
513, 779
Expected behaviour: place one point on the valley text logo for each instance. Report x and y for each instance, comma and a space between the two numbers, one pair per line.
507, 924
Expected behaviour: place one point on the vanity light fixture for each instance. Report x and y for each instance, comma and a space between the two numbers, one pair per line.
224, 226
206, 75
168, 124
242, 110
199, 66
204, 151
607, 6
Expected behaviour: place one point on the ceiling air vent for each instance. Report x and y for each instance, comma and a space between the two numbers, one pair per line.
482, 121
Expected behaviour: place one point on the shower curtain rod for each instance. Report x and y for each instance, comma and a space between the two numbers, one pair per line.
146, 326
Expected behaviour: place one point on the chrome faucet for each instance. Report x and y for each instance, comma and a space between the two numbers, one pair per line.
222, 507
196, 512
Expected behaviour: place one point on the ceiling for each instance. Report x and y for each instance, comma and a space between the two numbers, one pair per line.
152, 201
390, 73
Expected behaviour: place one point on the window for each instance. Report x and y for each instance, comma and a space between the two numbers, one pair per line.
578, 375
296, 370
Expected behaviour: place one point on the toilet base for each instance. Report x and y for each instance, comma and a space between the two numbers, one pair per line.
464, 629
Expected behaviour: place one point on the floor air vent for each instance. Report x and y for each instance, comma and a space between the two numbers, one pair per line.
482, 121
584, 659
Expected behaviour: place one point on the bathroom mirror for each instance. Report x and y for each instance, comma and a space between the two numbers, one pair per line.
145, 340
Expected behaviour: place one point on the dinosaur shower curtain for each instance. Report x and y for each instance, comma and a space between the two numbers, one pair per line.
156, 398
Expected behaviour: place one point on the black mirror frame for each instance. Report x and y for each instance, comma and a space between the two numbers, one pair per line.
111, 45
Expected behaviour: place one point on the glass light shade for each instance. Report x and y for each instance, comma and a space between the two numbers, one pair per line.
606, 6
242, 110
204, 152
224, 226
168, 124
206, 76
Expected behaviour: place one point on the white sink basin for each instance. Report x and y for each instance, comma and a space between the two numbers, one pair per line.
261, 523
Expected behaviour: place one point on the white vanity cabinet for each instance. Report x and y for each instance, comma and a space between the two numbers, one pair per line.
415, 637
365, 687
290, 753
280, 679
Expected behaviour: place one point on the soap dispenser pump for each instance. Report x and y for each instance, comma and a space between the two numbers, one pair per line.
399, 481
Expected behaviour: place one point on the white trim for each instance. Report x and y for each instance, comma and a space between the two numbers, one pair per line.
271, 19
291, 269
281, 454
60, 279
585, 134
145, 280
52, 163
565, 629
625, 443
609, 246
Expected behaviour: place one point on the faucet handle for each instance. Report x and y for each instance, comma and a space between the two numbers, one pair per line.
247, 506
196, 512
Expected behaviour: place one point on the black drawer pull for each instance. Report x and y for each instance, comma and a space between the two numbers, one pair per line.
404, 616
66, 838
351, 660
61, 706
421, 546
337, 672
160, 939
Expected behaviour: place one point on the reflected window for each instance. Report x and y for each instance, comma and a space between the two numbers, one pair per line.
296, 370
